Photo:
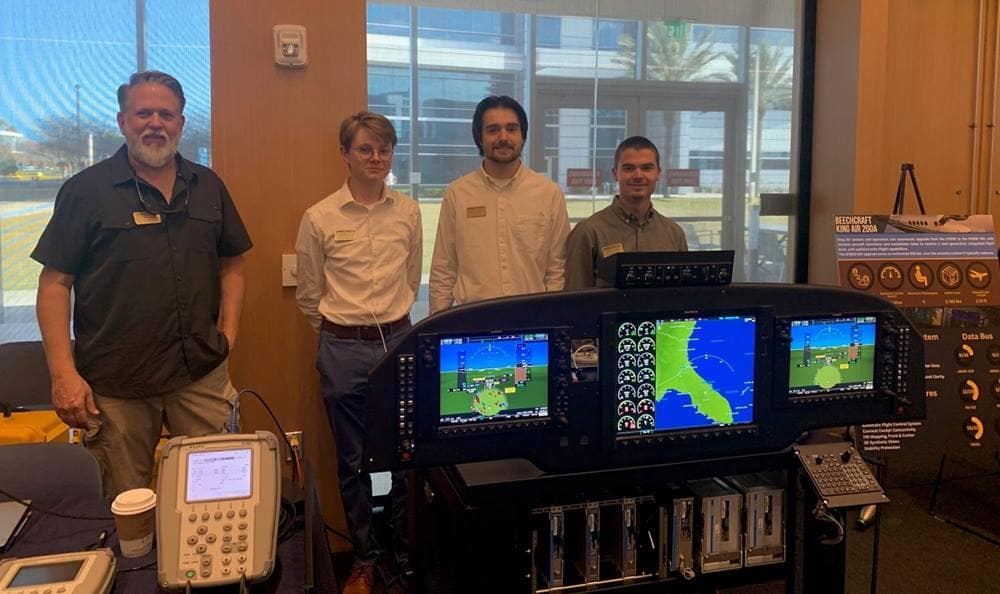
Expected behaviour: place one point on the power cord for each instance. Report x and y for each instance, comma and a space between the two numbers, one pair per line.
822, 513
149, 565
235, 428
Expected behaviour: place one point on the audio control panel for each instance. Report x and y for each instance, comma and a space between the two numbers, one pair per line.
683, 373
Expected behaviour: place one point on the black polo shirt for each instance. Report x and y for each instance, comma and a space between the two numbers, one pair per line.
147, 296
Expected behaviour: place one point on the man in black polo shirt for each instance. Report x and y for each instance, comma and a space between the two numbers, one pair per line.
150, 245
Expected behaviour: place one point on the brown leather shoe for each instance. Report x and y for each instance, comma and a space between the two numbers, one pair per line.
360, 581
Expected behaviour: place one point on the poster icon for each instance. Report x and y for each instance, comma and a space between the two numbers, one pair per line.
860, 276
949, 275
890, 276
978, 275
920, 275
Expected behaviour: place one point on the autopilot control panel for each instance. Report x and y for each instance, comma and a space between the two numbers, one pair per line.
610, 378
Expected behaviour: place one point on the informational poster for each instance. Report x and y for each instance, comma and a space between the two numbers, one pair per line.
919, 260
940, 270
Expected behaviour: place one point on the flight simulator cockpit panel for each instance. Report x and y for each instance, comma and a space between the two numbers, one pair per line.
603, 378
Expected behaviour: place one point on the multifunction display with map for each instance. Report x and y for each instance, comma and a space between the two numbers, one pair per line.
493, 378
830, 355
683, 373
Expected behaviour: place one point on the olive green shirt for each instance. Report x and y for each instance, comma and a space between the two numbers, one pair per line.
611, 231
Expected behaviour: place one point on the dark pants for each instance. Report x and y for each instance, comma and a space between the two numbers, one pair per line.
343, 366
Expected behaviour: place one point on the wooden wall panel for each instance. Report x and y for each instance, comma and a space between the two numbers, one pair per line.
835, 129
926, 107
895, 83
274, 142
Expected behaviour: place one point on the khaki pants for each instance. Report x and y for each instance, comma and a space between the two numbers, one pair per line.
125, 434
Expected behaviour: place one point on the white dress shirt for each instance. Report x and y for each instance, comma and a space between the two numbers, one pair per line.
359, 264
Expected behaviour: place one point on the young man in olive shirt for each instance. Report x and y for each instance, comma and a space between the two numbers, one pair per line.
629, 224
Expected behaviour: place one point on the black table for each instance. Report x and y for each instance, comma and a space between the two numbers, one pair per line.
45, 534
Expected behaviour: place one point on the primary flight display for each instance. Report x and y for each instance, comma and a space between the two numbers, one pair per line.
832, 355
493, 378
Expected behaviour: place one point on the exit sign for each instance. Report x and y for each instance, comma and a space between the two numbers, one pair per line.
676, 29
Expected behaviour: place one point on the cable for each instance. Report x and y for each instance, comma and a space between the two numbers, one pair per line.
385, 348
234, 427
343, 536
823, 514
49, 512
387, 582
140, 568
287, 522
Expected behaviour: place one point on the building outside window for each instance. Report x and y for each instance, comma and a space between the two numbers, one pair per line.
714, 84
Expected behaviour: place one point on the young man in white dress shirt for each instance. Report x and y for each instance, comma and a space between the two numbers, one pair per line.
351, 247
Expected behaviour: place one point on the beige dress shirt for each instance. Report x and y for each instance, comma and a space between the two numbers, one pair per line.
358, 264
498, 237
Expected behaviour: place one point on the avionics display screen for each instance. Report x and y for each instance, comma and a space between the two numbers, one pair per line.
829, 355
684, 373
219, 474
493, 378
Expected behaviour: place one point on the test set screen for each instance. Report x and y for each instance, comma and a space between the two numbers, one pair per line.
49, 573
219, 474
832, 355
493, 378
684, 373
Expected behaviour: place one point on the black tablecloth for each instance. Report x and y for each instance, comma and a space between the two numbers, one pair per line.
47, 534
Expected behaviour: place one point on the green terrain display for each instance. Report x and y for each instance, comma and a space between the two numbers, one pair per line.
830, 367
675, 372
494, 391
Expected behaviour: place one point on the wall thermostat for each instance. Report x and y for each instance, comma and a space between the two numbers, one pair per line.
290, 46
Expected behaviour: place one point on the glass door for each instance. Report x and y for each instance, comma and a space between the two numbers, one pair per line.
575, 145
696, 133
697, 183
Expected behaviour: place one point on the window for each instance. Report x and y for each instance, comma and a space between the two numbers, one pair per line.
717, 92
61, 64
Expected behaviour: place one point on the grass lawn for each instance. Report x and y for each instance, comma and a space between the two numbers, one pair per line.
581, 208
19, 231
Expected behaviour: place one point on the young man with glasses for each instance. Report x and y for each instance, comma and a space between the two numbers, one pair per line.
150, 246
502, 229
351, 248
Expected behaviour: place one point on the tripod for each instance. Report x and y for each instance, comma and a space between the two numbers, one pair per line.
897, 208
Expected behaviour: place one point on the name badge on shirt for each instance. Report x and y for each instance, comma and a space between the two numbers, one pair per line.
475, 212
610, 250
345, 234
142, 217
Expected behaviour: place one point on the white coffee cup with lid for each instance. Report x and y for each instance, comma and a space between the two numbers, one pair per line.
135, 520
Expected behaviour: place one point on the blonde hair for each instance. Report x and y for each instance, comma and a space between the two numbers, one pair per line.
376, 123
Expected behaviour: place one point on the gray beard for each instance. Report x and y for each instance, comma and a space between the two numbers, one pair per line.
152, 157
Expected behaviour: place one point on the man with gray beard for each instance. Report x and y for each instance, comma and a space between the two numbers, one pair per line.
151, 247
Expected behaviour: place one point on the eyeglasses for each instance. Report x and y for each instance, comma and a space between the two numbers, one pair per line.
173, 208
367, 151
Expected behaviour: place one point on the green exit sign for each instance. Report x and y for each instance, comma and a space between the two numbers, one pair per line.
676, 29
